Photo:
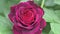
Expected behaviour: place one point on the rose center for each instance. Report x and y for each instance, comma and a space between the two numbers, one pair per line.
28, 17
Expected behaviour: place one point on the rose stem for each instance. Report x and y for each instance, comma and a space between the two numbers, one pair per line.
42, 4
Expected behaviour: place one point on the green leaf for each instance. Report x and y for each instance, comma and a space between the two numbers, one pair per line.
51, 32
57, 13
57, 2
44, 33
57, 7
55, 27
1, 6
49, 3
47, 29
6, 32
50, 16
38, 2
5, 25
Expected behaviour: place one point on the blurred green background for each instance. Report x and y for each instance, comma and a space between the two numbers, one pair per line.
52, 16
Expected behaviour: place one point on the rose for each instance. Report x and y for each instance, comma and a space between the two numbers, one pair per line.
27, 18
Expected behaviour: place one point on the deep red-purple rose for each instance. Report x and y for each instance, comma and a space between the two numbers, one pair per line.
27, 18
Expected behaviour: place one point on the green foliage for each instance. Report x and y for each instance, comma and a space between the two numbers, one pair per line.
57, 2
49, 3
55, 28
47, 29
52, 16
5, 26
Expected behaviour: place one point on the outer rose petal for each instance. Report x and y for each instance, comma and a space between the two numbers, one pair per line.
12, 13
15, 31
35, 31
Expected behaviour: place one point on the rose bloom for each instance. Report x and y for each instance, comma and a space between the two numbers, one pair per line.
27, 18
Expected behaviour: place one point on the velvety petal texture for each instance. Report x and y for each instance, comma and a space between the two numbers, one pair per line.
27, 18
